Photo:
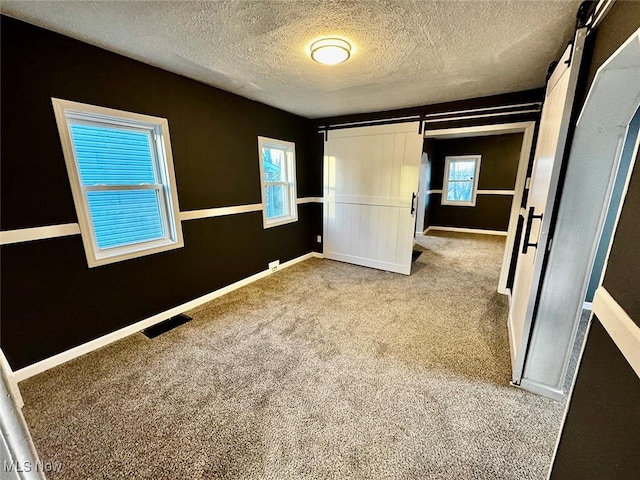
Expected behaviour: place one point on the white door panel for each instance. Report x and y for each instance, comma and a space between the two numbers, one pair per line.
538, 194
552, 136
371, 175
354, 235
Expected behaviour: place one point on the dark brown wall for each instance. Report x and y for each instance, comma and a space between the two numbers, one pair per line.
622, 278
601, 436
498, 170
51, 300
622, 20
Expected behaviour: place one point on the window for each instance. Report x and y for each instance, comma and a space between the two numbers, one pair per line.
460, 183
278, 181
121, 173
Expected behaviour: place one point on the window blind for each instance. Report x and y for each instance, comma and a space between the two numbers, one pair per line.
118, 176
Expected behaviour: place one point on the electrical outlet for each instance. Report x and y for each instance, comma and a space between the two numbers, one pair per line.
319, 239
273, 266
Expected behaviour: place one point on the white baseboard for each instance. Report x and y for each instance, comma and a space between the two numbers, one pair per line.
466, 230
80, 350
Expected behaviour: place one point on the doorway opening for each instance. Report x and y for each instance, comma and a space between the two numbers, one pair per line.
618, 184
497, 190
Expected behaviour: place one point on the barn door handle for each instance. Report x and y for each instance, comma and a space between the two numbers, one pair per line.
527, 233
413, 202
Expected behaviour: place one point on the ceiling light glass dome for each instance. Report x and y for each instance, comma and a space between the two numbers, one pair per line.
330, 51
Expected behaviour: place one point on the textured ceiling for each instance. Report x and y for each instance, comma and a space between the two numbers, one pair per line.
405, 53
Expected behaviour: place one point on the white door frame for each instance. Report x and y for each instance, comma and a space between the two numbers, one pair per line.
17, 441
527, 129
422, 194
616, 76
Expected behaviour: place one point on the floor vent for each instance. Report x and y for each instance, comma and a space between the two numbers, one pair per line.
162, 327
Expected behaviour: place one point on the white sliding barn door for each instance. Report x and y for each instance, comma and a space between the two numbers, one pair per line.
552, 136
370, 183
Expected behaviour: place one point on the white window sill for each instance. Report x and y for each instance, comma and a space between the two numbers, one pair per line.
276, 222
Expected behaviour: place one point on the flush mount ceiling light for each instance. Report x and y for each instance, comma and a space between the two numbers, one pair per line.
330, 51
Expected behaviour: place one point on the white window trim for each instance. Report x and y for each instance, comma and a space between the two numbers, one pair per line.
291, 177
65, 109
445, 180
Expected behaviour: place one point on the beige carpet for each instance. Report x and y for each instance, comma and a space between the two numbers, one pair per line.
322, 371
